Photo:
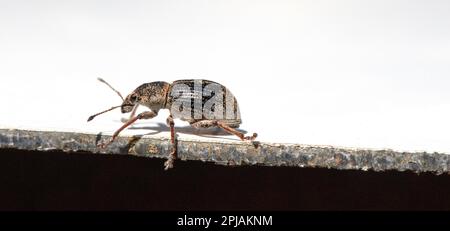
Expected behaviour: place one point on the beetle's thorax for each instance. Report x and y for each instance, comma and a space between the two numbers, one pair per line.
153, 95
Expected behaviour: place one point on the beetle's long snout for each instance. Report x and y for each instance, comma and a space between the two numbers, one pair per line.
125, 108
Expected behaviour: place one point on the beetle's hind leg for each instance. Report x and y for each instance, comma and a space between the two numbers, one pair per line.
224, 126
173, 155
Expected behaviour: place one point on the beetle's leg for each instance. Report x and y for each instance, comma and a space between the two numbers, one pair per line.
216, 123
235, 132
173, 155
143, 115
133, 112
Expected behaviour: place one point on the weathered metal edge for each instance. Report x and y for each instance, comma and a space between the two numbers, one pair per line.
244, 153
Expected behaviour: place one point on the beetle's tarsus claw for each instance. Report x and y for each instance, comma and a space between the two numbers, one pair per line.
169, 162
103, 145
251, 138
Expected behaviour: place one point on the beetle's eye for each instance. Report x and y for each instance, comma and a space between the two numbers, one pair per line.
133, 98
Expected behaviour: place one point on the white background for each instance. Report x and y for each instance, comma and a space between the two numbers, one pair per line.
372, 74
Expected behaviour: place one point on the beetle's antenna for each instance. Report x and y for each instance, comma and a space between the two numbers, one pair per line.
93, 116
103, 81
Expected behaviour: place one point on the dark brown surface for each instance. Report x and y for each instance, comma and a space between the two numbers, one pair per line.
59, 181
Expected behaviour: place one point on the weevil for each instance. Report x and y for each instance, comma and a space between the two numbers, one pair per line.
202, 103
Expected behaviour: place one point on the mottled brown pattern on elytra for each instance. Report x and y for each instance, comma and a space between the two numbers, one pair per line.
234, 121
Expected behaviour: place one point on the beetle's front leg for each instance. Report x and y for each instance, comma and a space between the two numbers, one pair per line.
173, 155
143, 115
133, 112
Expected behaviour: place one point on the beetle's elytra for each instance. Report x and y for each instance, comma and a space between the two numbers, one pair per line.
202, 103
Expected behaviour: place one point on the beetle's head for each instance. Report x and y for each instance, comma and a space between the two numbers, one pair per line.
130, 101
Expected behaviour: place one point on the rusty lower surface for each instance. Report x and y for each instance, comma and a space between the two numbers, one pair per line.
234, 153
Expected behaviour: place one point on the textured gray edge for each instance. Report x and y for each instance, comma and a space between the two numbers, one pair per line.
237, 153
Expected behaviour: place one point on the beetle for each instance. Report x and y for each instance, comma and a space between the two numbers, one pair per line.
202, 103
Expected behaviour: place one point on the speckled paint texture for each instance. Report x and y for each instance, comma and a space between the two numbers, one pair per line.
232, 153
